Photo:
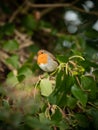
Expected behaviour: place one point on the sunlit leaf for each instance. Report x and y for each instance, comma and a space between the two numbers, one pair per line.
24, 70
13, 60
46, 87
10, 45
43, 118
12, 80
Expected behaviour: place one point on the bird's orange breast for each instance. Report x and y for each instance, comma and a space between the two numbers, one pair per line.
43, 58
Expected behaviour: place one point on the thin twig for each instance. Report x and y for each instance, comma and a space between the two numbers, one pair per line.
77, 79
80, 85
74, 2
45, 11
26, 40
47, 5
93, 105
27, 44
61, 5
49, 30
17, 12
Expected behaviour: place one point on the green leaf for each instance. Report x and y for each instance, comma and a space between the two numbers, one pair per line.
63, 82
13, 60
6, 104
7, 29
59, 79
4, 114
62, 58
89, 84
91, 54
11, 79
24, 70
69, 81
45, 24
57, 116
90, 33
29, 22
94, 115
35, 124
82, 120
79, 94
29, 120
63, 86
16, 118
43, 118
71, 102
46, 87
11, 45
64, 89
21, 78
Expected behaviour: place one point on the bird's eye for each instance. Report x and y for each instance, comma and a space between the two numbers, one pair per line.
42, 52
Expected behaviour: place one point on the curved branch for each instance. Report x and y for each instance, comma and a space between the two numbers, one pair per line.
61, 5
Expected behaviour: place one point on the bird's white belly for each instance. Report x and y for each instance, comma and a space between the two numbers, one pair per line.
48, 67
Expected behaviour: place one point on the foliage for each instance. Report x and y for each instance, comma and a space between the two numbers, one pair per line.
64, 99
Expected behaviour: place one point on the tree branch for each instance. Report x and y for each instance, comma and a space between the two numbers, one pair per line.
61, 5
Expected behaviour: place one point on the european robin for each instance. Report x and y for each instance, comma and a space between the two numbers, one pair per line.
46, 61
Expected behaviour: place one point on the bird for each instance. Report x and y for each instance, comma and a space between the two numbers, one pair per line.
46, 61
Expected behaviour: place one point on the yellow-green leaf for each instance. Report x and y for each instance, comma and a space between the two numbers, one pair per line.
46, 87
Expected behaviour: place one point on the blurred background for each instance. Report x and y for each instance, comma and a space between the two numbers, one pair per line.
65, 28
